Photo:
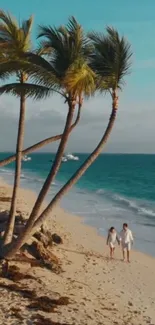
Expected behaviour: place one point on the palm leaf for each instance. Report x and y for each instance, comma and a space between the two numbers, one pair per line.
7, 69
67, 46
80, 79
14, 39
44, 48
110, 58
40, 70
29, 90
81, 43
27, 26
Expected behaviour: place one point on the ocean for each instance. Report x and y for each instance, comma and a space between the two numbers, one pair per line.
117, 188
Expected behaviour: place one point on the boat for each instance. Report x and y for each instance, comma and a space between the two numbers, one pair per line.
64, 159
70, 156
26, 158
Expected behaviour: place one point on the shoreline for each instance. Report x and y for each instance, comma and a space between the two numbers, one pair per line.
100, 208
78, 218
103, 291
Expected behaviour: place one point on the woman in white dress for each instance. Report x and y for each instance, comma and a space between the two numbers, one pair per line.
111, 240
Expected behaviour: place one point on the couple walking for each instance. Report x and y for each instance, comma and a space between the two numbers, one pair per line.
125, 238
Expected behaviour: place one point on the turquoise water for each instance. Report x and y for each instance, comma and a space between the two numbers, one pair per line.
115, 189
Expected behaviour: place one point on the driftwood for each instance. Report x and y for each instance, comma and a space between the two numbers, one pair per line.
41, 253
44, 235
45, 256
45, 239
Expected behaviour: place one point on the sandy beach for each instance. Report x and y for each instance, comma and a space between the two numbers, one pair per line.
100, 291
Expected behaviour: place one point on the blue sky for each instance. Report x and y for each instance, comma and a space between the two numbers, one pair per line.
135, 20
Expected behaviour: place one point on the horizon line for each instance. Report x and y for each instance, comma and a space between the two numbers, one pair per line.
86, 152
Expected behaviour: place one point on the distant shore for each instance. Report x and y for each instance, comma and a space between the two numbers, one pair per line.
101, 291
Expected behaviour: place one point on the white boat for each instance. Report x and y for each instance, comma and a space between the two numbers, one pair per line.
26, 158
71, 157
64, 159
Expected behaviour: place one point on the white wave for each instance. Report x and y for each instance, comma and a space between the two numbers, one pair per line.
35, 179
6, 171
147, 212
135, 206
124, 200
127, 203
100, 191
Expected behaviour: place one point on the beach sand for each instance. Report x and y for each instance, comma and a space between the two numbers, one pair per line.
100, 291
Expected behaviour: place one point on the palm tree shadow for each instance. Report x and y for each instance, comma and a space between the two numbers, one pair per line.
41, 320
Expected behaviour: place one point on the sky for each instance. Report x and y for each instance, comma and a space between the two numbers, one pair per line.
134, 131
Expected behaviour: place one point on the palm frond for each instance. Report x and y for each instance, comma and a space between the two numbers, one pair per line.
26, 28
14, 39
27, 25
44, 49
40, 70
8, 68
30, 90
7, 19
66, 45
81, 42
8, 27
38, 60
80, 79
123, 52
52, 35
110, 58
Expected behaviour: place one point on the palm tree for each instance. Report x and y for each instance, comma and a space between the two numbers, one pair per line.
68, 73
42, 143
14, 41
111, 61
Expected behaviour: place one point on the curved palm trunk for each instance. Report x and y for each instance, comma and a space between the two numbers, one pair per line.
20, 139
54, 169
30, 229
40, 144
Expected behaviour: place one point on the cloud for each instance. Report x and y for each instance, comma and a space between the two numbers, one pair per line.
133, 131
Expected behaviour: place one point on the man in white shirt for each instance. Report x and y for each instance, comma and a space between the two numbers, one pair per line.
126, 239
